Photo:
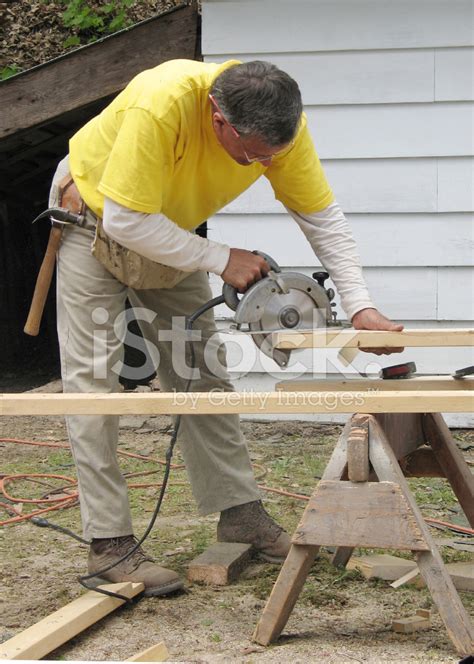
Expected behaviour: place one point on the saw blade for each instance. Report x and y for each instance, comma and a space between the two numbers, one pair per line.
292, 310
285, 311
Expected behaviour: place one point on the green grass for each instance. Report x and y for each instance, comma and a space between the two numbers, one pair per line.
293, 463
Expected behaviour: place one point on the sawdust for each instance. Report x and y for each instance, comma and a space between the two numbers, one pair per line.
338, 618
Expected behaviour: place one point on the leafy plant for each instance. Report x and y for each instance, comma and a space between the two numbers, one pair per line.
9, 70
89, 22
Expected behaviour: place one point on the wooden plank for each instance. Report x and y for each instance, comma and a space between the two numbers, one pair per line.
358, 449
410, 624
284, 594
430, 563
308, 25
462, 575
333, 338
412, 384
38, 640
342, 556
257, 372
280, 236
454, 73
452, 462
392, 130
381, 566
360, 77
204, 403
156, 653
295, 569
409, 576
368, 514
95, 71
220, 564
254, 381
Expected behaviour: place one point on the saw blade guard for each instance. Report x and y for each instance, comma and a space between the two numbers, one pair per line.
282, 301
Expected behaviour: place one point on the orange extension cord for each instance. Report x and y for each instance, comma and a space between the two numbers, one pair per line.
71, 498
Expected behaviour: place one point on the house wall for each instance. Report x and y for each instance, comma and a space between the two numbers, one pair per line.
388, 90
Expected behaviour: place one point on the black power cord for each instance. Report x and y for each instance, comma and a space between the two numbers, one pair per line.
190, 320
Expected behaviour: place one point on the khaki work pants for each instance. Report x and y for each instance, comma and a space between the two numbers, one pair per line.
89, 300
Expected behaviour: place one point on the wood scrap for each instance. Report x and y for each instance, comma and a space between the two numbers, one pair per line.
156, 653
409, 576
381, 566
422, 620
462, 575
48, 634
220, 564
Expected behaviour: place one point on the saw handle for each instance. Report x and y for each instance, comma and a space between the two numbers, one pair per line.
230, 293
271, 261
43, 283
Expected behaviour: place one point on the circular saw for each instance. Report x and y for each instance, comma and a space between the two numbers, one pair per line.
281, 301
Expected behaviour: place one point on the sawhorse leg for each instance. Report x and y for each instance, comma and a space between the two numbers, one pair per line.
301, 557
430, 563
296, 567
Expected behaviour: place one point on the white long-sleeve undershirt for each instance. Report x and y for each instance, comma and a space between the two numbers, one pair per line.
158, 238
330, 237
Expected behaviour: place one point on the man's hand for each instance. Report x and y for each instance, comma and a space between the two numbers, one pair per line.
244, 269
371, 319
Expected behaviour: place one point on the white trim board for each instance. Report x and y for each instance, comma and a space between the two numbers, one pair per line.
375, 131
422, 240
330, 25
375, 77
403, 293
381, 186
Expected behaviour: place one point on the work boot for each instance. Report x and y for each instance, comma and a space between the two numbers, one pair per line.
251, 524
138, 568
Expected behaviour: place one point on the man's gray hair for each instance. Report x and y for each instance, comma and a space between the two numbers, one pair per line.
259, 100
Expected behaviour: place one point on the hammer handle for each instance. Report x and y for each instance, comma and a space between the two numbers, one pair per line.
43, 283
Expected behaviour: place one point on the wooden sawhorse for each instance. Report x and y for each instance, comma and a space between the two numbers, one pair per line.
349, 510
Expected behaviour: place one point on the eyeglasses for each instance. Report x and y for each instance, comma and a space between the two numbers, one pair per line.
250, 160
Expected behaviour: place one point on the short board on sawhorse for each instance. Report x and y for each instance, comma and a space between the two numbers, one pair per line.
348, 510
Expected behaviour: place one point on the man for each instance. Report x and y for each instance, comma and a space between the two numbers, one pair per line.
180, 142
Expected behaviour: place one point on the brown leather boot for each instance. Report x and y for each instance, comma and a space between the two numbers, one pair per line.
138, 568
251, 524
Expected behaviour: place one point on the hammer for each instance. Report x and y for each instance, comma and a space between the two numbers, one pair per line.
60, 217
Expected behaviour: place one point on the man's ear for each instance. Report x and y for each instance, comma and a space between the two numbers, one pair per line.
217, 119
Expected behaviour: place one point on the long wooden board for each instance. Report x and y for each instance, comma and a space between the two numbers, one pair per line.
208, 403
333, 338
415, 384
60, 626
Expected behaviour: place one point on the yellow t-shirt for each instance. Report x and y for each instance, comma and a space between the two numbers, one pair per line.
154, 149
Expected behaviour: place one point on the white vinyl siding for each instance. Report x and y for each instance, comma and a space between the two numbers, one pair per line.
388, 90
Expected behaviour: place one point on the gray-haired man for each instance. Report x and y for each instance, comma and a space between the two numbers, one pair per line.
180, 142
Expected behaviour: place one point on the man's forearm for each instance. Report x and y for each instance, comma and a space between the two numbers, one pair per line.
331, 238
156, 237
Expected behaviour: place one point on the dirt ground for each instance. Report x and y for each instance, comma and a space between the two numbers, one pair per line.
340, 616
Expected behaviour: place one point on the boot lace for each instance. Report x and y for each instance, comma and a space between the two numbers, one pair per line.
122, 545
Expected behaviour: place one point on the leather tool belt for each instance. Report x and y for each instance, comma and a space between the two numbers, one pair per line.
126, 265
